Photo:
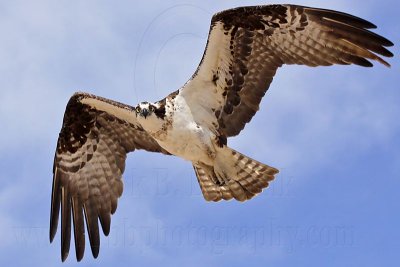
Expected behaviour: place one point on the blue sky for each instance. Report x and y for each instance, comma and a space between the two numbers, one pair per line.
333, 132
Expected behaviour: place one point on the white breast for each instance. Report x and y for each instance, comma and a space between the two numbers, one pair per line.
184, 137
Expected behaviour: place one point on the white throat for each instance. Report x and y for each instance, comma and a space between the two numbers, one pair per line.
151, 124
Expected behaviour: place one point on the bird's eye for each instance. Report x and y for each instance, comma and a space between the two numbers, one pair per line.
151, 108
137, 109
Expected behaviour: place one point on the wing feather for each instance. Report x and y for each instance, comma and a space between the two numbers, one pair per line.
65, 222
247, 45
96, 135
79, 227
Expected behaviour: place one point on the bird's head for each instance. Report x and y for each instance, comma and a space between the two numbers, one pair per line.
145, 110
150, 115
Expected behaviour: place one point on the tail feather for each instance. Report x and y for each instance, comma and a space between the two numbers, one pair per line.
233, 175
239, 192
211, 191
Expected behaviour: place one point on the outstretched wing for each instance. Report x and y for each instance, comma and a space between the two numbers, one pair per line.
96, 135
246, 46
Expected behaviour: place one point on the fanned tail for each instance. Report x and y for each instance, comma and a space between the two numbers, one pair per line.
233, 175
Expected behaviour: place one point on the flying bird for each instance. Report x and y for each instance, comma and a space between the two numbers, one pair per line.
245, 47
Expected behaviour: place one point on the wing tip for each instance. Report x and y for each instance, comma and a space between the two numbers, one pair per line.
55, 205
52, 235
388, 43
65, 223
93, 229
95, 251
64, 256
79, 229
341, 16
105, 221
385, 63
79, 253
53, 225
382, 61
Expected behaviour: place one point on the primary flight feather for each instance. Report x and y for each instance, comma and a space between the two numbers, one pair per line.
245, 47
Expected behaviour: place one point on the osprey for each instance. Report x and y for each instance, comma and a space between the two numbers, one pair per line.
245, 48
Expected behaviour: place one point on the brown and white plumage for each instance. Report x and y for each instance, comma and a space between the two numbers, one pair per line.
247, 45
89, 161
245, 48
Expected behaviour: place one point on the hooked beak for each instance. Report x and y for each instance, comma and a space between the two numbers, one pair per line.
145, 112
